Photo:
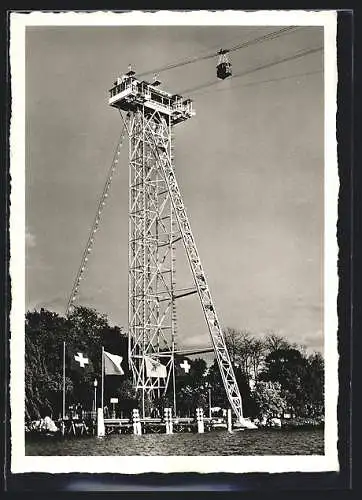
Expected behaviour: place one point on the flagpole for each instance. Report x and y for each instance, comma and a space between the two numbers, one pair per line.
63, 406
174, 386
102, 392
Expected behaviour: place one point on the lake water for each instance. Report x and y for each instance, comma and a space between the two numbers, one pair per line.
247, 442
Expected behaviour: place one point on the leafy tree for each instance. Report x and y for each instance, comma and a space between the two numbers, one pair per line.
127, 396
190, 387
233, 343
219, 396
165, 401
189, 398
257, 355
274, 342
239, 345
45, 333
269, 360
242, 380
268, 400
43, 362
314, 385
216, 384
194, 377
246, 351
289, 368
198, 370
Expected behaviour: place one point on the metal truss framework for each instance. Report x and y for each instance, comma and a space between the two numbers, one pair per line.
157, 220
152, 236
216, 333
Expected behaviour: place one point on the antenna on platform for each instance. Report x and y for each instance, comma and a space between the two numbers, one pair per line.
130, 71
156, 82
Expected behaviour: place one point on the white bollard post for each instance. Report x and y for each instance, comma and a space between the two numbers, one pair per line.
230, 422
137, 430
134, 413
168, 420
200, 420
101, 431
165, 413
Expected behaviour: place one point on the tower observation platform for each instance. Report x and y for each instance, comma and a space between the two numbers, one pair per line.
129, 93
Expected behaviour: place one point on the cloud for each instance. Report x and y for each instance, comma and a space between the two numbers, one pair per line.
196, 341
30, 240
314, 340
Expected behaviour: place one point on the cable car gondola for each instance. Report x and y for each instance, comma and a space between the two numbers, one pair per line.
223, 68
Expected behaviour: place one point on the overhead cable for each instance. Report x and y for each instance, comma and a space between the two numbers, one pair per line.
270, 80
242, 45
298, 55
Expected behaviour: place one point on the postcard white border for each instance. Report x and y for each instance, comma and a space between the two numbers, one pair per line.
139, 464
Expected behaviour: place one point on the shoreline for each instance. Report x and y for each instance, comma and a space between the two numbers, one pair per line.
33, 436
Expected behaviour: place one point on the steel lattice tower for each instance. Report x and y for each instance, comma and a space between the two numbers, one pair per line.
157, 220
151, 253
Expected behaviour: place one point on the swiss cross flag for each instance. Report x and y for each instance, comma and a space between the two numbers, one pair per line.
79, 360
183, 366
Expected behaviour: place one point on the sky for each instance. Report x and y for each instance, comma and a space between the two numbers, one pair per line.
250, 166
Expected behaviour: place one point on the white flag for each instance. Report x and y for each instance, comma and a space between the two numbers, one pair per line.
112, 364
154, 368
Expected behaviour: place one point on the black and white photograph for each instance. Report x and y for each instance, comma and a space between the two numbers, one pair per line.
173, 247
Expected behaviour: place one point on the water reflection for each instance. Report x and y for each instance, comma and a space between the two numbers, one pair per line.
260, 442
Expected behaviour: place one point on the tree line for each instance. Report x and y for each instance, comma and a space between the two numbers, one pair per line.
274, 376
277, 374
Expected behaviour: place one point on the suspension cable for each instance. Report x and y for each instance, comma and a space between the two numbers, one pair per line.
270, 80
90, 242
268, 37
102, 201
264, 38
297, 55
